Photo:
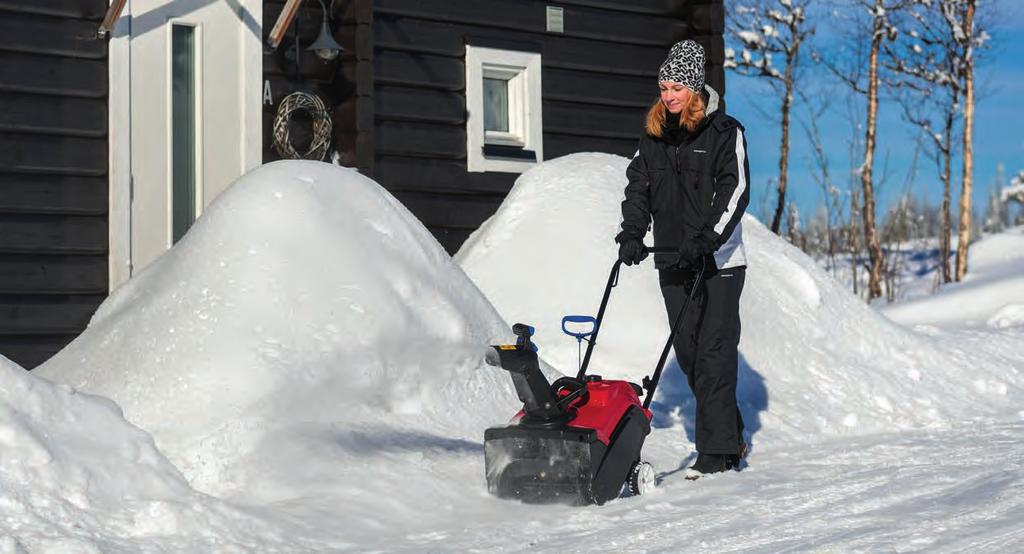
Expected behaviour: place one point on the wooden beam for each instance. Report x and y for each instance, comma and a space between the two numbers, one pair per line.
31, 350
109, 20
283, 22
53, 274
366, 88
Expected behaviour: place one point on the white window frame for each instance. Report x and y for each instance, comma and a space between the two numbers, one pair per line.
522, 70
516, 124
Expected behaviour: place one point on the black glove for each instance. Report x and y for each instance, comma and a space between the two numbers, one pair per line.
632, 251
693, 250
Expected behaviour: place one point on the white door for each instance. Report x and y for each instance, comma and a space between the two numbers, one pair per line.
194, 74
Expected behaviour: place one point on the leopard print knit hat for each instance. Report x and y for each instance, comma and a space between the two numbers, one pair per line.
684, 65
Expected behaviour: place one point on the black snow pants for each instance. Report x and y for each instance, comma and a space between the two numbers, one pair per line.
706, 346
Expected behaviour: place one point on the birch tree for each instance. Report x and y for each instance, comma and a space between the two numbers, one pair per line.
936, 63
932, 91
960, 16
761, 31
851, 70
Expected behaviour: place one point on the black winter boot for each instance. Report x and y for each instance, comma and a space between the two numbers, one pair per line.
706, 464
734, 461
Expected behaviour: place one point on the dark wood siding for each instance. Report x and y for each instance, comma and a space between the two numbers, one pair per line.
598, 80
333, 81
398, 92
53, 174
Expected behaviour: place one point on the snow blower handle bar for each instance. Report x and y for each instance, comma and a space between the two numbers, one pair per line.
651, 383
613, 280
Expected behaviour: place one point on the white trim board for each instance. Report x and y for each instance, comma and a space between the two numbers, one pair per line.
119, 110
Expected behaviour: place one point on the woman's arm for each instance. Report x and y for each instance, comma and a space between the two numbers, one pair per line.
732, 190
636, 208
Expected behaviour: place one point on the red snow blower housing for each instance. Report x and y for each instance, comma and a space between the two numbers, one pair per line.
577, 440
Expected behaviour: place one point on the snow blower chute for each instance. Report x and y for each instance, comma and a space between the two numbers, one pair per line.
577, 440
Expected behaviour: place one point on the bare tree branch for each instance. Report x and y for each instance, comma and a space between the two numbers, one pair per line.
762, 29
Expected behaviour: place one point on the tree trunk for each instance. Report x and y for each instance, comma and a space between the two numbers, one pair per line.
831, 246
965, 191
946, 231
787, 104
870, 232
852, 239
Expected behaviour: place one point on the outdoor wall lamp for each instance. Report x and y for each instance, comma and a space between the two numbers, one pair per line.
325, 47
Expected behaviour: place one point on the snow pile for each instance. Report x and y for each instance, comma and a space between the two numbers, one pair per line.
816, 361
309, 351
548, 252
76, 477
992, 293
67, 458
305, 307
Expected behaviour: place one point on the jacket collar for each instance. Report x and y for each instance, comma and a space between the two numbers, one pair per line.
712, 100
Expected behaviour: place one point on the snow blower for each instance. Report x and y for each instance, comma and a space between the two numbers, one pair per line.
577, 440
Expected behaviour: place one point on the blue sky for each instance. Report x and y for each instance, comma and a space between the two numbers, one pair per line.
998, 136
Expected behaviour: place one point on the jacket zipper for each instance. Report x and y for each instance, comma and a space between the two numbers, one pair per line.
678, 168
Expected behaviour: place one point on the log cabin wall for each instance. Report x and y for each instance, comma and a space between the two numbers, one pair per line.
598, 79
53, 174
397, 94
334, 82
397, 98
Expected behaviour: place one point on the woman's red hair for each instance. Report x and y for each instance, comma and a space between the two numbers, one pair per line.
690, 117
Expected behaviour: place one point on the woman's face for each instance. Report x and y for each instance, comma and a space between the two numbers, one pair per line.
674, 96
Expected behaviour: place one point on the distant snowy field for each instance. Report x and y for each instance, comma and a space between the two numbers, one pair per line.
303, 372
991, 296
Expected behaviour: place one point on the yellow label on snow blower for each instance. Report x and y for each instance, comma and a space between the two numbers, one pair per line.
506, 347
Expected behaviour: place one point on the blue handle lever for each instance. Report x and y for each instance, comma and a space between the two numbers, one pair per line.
578, 319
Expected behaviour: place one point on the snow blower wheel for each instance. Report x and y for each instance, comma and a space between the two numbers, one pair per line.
641, 479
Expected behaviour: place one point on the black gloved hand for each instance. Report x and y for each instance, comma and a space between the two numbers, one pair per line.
693, 250
632, 251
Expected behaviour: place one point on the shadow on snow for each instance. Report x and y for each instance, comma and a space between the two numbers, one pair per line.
676, 403
370, 441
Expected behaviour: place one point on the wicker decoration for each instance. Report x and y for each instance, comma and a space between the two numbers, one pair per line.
322, 125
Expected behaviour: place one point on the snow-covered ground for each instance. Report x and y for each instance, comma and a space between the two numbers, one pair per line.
991, 296
906, 263
308, 361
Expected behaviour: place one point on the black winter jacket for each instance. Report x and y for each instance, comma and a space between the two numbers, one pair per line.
690, 184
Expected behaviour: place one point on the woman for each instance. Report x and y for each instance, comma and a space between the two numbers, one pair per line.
690, 176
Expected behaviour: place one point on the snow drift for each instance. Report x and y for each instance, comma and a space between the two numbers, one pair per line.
76, 477
310, 351
816, 361
991, 295
56, 473
306, 296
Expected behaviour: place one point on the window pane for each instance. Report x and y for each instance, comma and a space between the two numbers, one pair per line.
183, 129
496, 105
